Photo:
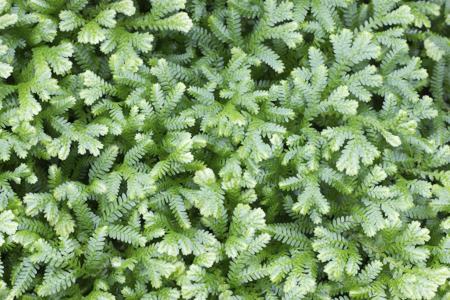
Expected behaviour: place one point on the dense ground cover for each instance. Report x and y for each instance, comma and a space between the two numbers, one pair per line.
224, 149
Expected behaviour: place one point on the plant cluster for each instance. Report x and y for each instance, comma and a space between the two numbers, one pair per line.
224, 149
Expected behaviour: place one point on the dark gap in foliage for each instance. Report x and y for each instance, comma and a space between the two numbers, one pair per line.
143, 6
377, 102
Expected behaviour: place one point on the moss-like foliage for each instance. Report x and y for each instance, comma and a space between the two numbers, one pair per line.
224, 149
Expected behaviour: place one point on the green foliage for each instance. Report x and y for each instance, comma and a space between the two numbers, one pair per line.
224, 149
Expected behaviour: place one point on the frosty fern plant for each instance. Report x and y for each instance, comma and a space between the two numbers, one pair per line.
224, 149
